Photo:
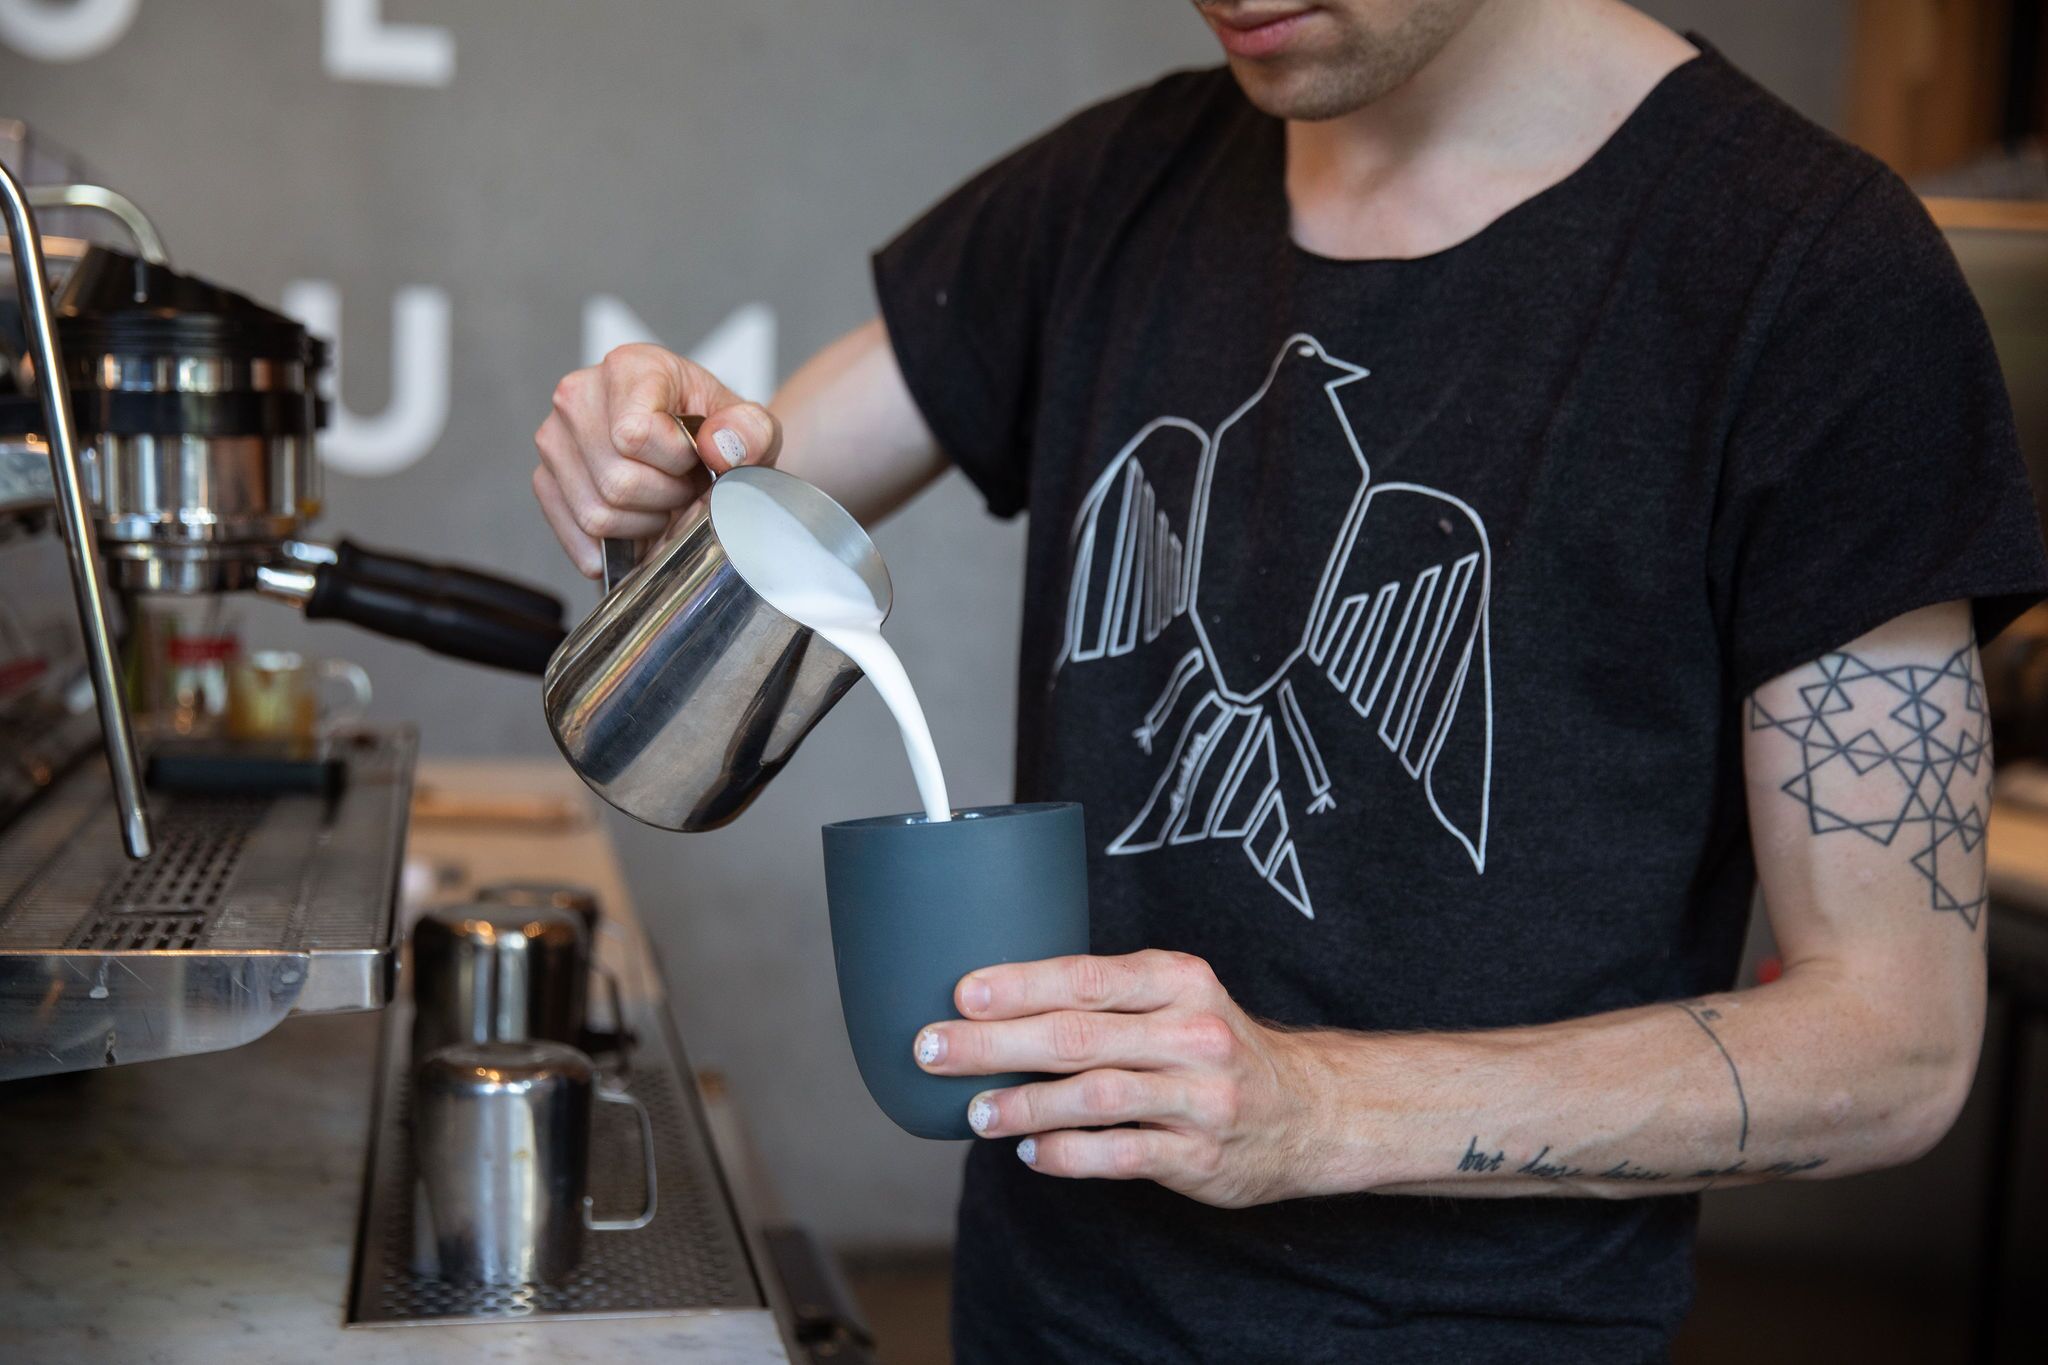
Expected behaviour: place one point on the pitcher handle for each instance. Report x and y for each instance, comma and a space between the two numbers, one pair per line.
646, 1214
622, 556
356, 679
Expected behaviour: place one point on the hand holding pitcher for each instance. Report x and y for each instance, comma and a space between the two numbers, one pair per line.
616, 464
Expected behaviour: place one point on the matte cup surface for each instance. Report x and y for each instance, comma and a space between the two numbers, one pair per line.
915, 906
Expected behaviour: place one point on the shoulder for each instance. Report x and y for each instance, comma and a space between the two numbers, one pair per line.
1762, 169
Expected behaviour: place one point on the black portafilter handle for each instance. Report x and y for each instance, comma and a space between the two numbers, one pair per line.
455, 626
449, 581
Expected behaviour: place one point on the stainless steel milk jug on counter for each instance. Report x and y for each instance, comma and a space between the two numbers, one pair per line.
489, 972
685, 692
503, 1140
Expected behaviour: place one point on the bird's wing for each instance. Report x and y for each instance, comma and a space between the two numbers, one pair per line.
1130, 567
1401, 632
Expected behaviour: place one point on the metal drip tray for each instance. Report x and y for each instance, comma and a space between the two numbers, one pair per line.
690, 1259
251, 908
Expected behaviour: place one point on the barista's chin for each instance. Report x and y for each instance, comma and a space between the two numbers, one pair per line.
1305, 90
1318, 76
1327, 61
1294, 93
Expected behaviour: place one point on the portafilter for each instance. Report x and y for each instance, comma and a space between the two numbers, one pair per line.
197, 410
188, 467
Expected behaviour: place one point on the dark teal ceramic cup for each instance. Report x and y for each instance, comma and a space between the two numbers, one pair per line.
916, 906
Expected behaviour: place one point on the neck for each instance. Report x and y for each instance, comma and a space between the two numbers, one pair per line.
1519, 98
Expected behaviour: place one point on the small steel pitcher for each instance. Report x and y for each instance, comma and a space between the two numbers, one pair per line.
685, 692
502, 1138
497, 973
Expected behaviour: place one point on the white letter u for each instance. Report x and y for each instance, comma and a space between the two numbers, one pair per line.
412, 421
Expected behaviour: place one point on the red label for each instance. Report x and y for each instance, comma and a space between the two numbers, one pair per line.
16, 674
200, 649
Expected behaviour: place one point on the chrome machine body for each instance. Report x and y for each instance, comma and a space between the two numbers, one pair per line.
168, 447
201, 409
168, 901
251, 907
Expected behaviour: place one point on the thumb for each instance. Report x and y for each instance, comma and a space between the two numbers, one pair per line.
738, 433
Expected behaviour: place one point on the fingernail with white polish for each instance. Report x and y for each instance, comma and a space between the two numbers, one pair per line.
931, 1046
980, 1115
1027, 1151
730, 445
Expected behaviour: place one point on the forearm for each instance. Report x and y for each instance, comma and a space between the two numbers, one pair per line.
1859, 1056
1807, 1077
850, 426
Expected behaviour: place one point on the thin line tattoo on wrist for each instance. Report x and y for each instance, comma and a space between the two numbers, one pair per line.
1477, 1160
1706, 1016
1628, 1170
1538, 1167
1902, 750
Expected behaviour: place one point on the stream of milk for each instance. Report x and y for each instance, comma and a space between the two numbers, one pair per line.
794, 573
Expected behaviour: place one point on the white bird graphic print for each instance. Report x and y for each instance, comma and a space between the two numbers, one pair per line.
1397, 623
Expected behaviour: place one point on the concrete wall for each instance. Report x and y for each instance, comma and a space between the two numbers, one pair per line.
485, 188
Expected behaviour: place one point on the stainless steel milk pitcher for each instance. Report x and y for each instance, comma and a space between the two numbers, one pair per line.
496, 972
502, 1140
685, 692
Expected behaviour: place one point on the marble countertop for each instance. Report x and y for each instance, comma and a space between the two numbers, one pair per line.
204, 1208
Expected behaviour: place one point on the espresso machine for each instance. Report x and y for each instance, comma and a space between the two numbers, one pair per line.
539, 1146
157, 437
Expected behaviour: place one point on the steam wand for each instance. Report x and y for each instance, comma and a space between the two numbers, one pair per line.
79, 538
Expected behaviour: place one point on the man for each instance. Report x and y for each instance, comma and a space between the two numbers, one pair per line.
1501, 486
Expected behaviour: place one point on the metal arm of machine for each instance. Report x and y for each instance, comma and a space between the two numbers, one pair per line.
428, 608
76, 517
148, 243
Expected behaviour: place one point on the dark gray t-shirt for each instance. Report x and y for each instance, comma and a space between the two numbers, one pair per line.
1390, 619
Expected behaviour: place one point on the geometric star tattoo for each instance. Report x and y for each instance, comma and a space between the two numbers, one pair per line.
1901, 756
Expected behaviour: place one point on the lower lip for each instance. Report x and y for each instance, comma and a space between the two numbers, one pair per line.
1263, 41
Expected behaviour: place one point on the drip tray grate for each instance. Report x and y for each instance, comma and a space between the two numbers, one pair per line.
250, 907
689, 1259
200, 843
114, 931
